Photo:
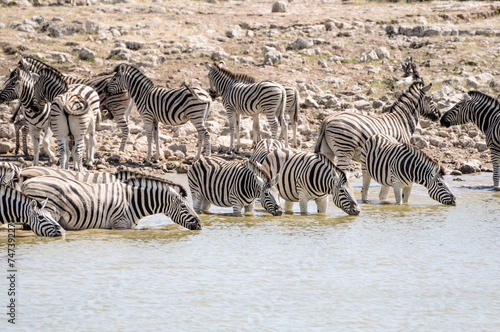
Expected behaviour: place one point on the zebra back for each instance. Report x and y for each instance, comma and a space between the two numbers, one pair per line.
16, 206
88, 177
263, 148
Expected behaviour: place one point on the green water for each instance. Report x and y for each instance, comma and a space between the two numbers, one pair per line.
419, 267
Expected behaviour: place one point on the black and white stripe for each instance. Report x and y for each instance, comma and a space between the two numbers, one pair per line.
119, 105
310, 176
263, 148
170, 106
484, 112
268, 98
89, 177
17, 207
20, 85
117, 205
343, 134
399, 165
235, 184
10, 174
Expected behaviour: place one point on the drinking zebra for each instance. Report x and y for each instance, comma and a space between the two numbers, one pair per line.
119, 105
239, 99
170, 106
235, 184
117, 205
343, 134
20, 85
263, 148
310, 176
72, 114
399, 165
17, 207
484, 112
10, 174
291, 109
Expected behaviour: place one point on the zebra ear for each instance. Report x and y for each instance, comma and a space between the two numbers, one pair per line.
35, 76
466, 97
44, 203
221, 64
208, 65
426, 89
33, 205
274, 181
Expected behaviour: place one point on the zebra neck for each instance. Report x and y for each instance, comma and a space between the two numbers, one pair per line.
139, 89
483, 113
15, 206
224, 83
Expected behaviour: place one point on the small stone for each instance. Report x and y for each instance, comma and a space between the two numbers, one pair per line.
470, 166
5, 148
279, 7
86, 54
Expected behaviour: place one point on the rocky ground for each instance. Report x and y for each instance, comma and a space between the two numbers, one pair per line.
341, 55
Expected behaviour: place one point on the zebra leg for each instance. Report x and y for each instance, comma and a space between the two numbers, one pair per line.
303, 199
249, 209
237, 131
294, 130
25, 131
322, 204
78, 153
237, 208
384, 192
232, 119
90, 142
203, 136
407, 193
288, 206
156, 131
256, 135
366, 185
63, 155
148, 125
46, 144
284, 129
35, 137
495, 160
273, 124
197, 200
396, 186
205, 205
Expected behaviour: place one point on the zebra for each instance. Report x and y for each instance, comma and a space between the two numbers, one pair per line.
170, 106
235, 184
399, 165
119, 105
73, 113
310, 176
291, 108
17, 207
343, 134
263, 148
484, 112
249, 100
10, 174
20, 85
116, 205
20, 128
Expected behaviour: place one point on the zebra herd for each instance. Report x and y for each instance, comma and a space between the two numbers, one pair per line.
51, 200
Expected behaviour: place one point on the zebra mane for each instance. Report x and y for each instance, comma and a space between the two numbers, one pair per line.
124, 67
237, 77
36, 64
53, 75
105, 73
428, 159
9, 187
331, 164
479, 94
182, 190
260, 170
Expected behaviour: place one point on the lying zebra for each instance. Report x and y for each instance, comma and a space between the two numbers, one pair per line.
17, 207
399, 165
213, 180
117, 205
309, 176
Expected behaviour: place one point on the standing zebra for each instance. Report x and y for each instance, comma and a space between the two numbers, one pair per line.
20, 85
119, 105
249, 100
16, 207
484, 112
263, 148
213, 180
10, 174
117, 205
343, 134
72, 114
292, 104
399, 165
170, 106
309, 176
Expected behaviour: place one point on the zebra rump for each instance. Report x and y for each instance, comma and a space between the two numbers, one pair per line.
235, 184
399, 165
310, 176
17, 207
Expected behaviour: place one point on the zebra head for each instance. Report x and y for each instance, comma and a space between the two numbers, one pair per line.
42, 222
118, 82
428, 108
342, 192
438, 189
183, 213
269, 195
458, 114
215, 77
10, 90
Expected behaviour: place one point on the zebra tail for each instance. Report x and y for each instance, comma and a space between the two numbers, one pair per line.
14, 116
282, 106
321, 135
191, 91
296, 107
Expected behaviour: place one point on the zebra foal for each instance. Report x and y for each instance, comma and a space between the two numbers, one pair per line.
310, 176
170, 106
245, 99
484, 112
17, 207
117, 205
235, 184
399, 165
